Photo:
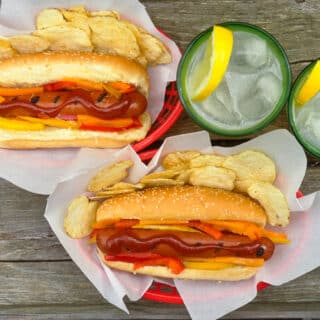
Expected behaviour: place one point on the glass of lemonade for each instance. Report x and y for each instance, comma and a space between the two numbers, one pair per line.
305, 119
254, 88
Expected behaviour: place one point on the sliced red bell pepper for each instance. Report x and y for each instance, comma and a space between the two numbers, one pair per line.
133, 257
175, 265
206, 228
60, 85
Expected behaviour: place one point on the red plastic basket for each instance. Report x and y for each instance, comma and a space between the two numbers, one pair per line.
169, 114
162, 292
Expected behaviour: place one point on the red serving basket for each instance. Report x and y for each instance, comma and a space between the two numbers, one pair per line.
168, 115
162, 292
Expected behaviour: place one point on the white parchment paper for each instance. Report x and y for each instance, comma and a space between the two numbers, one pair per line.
39, 171
205, 299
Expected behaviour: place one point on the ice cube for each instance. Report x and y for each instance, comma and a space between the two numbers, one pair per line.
249, 53
260, 99
219, 105
218, 112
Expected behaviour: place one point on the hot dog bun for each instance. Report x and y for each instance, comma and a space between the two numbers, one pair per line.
182, 203
229, 274
34, 69
60, 138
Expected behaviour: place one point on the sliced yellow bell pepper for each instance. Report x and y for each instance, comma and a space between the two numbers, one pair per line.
250, 262
58, 123
206, 265
20, 125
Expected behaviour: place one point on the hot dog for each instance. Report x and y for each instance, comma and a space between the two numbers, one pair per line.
72, 99
185, 232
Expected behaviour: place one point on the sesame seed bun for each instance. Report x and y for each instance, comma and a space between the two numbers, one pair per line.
182, 203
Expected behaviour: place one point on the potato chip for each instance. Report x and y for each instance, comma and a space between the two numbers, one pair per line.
184, 175
213, 177
118, 188
29, 43
65, 38
125, 185
157, 182
79, 8
80, 216
76, 19
179, 160
243, 185
166, 174
6, 51
48, 18
153, 49
273, 201
104, 13
110, 193
109, 176
251, 165
111, 36
142, 60
204, 160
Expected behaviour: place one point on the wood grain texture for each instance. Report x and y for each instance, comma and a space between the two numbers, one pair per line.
37, 278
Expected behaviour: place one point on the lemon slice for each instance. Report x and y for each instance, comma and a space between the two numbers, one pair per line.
211, 69
311, 87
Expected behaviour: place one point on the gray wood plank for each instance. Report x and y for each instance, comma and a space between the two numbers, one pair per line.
60, 287
293, 23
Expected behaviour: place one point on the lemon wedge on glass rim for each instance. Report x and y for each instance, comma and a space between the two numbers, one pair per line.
211, 69
311, 87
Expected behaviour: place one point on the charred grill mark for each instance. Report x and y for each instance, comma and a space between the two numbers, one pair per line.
101, 97
35, 99
56, 99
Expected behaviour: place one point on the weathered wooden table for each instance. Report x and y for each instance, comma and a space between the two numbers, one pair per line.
37, 278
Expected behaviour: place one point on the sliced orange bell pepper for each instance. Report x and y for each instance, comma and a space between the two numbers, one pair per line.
58, 123
250, 230
20, 125
86, 120
206, 228
104, 223
126, 223
12, 92
86, 84
175, 265
122, 86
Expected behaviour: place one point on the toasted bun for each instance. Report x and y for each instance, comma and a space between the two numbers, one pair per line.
61, 138
229, 274
182, 203
34, 69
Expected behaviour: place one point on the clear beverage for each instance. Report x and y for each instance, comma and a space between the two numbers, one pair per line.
255, 84
307, 119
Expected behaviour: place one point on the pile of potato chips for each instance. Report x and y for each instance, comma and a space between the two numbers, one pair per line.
250, 172
76, 29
